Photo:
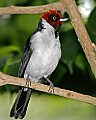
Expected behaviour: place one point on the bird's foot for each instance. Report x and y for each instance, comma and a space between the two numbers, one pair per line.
51, 88
28, 82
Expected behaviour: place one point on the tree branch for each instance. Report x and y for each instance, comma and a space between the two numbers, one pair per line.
30, 10
6, 79
71, 8
83, 37
88, 47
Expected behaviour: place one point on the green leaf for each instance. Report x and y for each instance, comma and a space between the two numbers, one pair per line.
28, 23
91, 25
11, 64
3, 61
69, 46
3, 3
6, 65
81, 62
4, 51
59, 72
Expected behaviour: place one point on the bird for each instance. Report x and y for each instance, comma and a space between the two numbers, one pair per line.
40, 58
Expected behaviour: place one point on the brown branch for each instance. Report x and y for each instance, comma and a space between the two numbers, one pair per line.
30, 10
6, 79
87, 45
81, 32
76, 20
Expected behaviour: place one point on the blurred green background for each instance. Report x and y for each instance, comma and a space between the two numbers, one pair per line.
73, 72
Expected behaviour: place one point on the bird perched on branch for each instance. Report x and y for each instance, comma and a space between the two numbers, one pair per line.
40, 57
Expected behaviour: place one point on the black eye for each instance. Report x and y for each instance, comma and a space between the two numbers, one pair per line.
53, 17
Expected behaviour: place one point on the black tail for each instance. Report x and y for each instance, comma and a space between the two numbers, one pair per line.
20, 106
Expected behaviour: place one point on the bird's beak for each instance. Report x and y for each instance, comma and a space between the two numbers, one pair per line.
63, 19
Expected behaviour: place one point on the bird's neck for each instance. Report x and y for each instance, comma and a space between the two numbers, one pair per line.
47, 26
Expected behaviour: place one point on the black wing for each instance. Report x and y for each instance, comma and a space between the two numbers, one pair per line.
28, 52
25, 58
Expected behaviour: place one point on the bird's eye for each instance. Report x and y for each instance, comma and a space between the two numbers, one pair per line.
54, 18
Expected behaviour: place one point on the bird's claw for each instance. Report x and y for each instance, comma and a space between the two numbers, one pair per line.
51, 89
28, 82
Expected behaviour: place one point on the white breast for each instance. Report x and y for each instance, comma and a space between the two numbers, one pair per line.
45, 56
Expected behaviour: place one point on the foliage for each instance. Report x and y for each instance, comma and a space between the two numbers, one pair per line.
73, 67
49, 108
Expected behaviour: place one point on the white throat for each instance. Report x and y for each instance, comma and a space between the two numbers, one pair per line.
46, 24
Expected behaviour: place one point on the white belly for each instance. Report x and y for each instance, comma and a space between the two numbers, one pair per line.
45, 56
42, 63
